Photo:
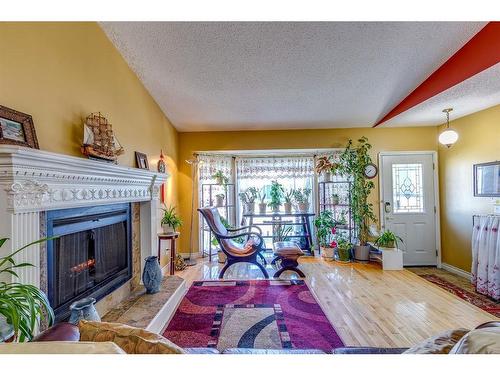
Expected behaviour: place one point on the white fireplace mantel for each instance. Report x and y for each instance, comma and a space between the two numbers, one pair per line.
34, 181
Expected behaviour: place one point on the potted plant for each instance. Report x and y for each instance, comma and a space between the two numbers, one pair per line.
388, 239
22, 306
282, 233
325, 230
220, 178
219, 200
170, 221
335, 199
276, 194
301, 198
324, 167
288, 197
248, 199
343, 249
262, 199
353, 161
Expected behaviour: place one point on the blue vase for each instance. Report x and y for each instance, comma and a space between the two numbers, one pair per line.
151, 276
84, 309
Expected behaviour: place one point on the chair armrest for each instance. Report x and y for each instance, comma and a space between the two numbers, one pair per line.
246, 227
246, 234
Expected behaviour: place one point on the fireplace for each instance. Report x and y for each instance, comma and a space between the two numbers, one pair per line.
90, 256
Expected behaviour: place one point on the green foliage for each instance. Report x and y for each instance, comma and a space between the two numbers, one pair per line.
388, 239
276, 194
249, 195
282, 233
353, 161
23, 306
262, 195
220, 177
302, 195
170, 217
324, 223
288, 195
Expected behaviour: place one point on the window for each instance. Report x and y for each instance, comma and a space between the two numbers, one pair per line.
408, 194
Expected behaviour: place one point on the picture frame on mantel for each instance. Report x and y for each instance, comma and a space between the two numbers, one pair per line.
141, 160
487, 179
17, 128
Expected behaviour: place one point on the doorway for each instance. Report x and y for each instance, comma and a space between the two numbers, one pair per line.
409, 204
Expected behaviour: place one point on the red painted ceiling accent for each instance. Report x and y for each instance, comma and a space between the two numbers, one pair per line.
478, 54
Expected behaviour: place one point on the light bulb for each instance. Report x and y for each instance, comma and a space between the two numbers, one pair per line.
448, 137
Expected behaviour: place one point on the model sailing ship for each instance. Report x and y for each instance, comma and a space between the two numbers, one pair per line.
99, 142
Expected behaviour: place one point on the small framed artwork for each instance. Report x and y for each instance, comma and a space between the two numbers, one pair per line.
487, 179
141, 160
16, 128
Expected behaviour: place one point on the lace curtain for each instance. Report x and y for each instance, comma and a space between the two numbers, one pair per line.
486, 255
275, 167
209, 165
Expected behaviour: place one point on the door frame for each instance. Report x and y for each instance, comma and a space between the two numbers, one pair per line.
436, 191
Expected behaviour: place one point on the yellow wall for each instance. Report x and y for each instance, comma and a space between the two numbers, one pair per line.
479, 142
61, 72
394, 139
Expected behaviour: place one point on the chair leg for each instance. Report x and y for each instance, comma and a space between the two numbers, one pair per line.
266, 275
224, 269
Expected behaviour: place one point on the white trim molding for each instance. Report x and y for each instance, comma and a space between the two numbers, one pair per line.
456, 270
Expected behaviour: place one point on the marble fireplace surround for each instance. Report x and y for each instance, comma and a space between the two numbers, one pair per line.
33, 182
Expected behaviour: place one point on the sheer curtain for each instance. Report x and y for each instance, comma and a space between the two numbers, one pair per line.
209, 164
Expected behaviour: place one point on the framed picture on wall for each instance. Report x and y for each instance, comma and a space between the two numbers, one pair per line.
487, 179
16, 128
141, 160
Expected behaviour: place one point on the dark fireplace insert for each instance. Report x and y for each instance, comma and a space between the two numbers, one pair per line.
90, 256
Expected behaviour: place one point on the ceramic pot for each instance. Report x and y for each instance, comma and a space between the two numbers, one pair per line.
250, 207
151, 276
167, 229
219, 201
288, 207
327, 252
276, 209
262, 208
219, 181
327, 177
84, 309
6, 330
344, 255
362, 253
335, 200
303, 207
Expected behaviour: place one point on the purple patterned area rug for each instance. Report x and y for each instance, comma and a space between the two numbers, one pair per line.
261, 314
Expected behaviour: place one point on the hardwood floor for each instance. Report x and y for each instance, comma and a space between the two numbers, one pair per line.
368, 306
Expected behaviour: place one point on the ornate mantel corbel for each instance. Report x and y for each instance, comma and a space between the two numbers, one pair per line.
28, 193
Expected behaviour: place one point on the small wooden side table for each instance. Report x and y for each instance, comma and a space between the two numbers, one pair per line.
172, 237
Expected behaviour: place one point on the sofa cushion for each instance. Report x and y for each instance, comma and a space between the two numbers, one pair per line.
132, 340
441, 343
479, 341
61, 347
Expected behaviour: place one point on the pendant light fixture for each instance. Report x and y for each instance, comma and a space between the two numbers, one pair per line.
449, 136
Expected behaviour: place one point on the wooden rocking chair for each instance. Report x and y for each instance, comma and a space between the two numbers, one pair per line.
235, 252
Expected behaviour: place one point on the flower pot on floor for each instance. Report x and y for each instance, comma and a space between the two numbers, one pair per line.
288, 207
327, 252
262, 208
344, 255
362, 253
303, 207
167, 229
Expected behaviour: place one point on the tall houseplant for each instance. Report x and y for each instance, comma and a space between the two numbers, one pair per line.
276, 194
22, 306
353, 161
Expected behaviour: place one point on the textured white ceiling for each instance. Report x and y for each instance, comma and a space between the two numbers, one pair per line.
474, 94
283, 75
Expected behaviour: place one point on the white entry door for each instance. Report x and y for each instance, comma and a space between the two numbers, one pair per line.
408, 205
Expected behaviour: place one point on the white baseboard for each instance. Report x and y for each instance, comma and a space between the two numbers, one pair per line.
456, 270
163, 317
